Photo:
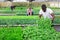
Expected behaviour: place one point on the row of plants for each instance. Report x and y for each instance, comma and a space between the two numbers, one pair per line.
43, 31
19, 20
57, 20
23, 10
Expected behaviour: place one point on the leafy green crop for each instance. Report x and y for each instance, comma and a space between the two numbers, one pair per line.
57, 20
17, 20
11, 33
43, 32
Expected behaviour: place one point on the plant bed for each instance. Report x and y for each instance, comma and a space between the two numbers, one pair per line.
43, 31
18, 20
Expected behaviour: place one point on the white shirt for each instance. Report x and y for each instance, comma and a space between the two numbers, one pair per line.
46, 14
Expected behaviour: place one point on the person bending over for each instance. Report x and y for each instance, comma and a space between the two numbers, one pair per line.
29, 11
46, 12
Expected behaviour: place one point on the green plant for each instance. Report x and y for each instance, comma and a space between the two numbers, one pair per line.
18, 20
23, 10
11, 33
43, 32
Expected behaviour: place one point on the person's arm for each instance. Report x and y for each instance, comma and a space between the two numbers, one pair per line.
53, 16
40, 13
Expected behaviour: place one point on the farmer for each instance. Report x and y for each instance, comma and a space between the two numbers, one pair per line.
46, 12
12, 7
29, 11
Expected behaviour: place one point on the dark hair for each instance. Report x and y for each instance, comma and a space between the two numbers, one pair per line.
44, 7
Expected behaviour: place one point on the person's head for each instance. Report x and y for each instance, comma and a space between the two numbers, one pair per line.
44, 7
30, 8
